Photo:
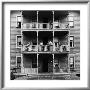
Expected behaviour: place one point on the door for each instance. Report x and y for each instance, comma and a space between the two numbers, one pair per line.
45, 62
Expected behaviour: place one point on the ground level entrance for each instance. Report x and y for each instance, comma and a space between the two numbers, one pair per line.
45, 63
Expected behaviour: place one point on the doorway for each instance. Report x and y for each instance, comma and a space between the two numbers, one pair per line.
45, 63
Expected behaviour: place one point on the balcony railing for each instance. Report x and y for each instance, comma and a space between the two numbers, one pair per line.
55, 25
29, 48
45, 26
46, 48
62, 48
29, 25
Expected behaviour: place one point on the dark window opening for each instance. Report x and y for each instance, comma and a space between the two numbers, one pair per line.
70, 44
18, 24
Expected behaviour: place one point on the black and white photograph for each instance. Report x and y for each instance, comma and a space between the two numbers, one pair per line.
45, 44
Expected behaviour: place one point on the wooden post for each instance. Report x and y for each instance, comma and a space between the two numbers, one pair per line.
68, 64
37, 19
53, 19
22, 68
37, 64
53, 63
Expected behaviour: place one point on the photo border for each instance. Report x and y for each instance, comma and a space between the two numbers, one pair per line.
3, 3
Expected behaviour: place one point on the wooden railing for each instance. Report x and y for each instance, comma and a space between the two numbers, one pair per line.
45, 25
45, 48
29, 25
29, 48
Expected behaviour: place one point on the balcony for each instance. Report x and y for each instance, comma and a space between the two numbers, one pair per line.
45, 42
62, 49
61, 63
32, 25
45, 20
30, 63
45, 49
58, 25
55, 25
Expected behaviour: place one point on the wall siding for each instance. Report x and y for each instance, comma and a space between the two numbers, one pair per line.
17, 31
76, 33
13, 33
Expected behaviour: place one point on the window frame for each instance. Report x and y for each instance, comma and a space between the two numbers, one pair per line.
16, 41
16, 59
72, 56
72, 41
18, 21
71, 21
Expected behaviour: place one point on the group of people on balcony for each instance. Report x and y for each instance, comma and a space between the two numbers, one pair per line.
49, 47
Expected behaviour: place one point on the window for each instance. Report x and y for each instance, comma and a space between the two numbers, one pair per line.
18, 43
18, 22
71, 63
18, 61
71, 41
18, 64
71, 22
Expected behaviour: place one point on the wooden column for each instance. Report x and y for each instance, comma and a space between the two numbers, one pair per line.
37, 42
53, 63
53, 41
69, 50
37, 63
53, 19
22, 68
37, 19
68, 64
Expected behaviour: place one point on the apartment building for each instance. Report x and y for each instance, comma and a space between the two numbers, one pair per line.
45, 42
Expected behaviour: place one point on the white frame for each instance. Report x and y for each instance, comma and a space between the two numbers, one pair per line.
2, 43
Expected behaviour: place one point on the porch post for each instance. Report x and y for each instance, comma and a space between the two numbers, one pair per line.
68, 64
53, 19
37, 64
37, 52
22, 68
37, 19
